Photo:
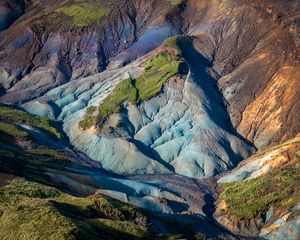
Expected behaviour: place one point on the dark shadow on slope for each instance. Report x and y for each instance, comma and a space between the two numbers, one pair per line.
12, 11
2, 91
151, 153
38, 167
209, 207
199, 67
188, 226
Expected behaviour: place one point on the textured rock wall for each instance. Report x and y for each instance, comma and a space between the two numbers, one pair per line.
254, 46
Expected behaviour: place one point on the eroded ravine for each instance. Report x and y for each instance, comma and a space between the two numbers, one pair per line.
173, 132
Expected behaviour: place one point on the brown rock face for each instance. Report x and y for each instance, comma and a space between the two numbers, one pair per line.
274, 115
254, 48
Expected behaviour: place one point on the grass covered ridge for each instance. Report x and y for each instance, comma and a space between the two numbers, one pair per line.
158, 70
9, 114
84, 14
12, 130
252, 198
34, 211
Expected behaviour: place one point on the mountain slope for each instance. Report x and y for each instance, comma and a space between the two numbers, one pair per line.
150, 102
230, 59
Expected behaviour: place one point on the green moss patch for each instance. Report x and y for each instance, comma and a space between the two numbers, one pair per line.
19, 116
176, 2
84, 15
89, 118
124, 91
252, 198
158, 70
87, 122
91, 109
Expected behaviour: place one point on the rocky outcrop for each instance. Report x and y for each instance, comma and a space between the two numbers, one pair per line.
10, 10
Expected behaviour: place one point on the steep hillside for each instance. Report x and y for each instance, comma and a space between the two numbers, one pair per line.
254, 48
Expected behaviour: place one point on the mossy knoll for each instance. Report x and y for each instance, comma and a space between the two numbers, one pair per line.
158, 70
